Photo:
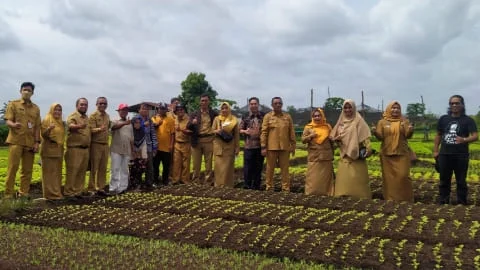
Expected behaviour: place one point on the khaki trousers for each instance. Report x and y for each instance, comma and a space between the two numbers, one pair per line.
17, 154
98, 166
181, 163
205, 149
282, 157
52, 177
76, 160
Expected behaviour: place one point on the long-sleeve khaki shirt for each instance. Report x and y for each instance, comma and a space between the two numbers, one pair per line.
277, 132
383, 133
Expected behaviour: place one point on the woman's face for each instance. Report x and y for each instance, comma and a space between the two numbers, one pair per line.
396, 111
348, 110
317, 117
137, 124
57, 112
224, 110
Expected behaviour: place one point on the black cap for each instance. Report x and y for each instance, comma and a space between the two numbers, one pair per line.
180, 106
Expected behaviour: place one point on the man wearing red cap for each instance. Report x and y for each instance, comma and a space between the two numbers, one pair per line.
120, 151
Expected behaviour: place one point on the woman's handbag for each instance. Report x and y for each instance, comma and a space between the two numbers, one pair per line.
226, 137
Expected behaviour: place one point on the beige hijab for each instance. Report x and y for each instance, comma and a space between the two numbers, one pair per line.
350, 132
57, 134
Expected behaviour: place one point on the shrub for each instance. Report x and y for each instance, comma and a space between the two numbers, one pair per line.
3, 134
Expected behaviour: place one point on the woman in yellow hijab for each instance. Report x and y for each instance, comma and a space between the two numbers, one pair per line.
51, 152
352, 135
319, 178
226, 146
393, 131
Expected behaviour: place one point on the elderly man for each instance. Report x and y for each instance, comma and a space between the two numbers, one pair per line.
99, 122
120, 151
77, 154
277, 141
23, 120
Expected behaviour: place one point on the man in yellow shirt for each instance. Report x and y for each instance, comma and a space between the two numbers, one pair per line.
277, 140
165, 128
23, 120
99, 122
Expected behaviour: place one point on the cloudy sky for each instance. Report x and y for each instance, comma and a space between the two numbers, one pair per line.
132, 51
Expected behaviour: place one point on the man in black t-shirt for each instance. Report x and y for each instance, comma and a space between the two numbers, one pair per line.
455, 131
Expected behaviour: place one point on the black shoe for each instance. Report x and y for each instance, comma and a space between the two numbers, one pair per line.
102, 193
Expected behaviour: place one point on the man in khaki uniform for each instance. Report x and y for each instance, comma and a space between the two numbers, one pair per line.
182, 148
78, 144
99, 122
202, 139
277, 141
23, 120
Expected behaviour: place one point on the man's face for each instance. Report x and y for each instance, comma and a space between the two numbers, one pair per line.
456, 105
253, 105
180, 113
101, 104
204, 102
26, 92
143, 111
82, 106
123, 113
162, 111
277, 105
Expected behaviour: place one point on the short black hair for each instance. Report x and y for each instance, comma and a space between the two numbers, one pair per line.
205, 95
27, 84
254, 98
174, 99
78, 100
180, 106
276, 98
98, 98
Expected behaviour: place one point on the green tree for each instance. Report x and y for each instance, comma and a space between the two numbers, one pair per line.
334, 104
193, 87
291, 109
415, 110
3, 110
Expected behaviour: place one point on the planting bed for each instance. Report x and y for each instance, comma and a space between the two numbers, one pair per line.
339, 231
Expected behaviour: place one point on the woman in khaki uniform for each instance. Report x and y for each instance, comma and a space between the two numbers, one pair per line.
352, 135
319, 179
51, 152
226, 146
393, 130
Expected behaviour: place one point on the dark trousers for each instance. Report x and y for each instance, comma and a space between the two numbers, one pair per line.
450, 164
137, 168
252, 168
165, 158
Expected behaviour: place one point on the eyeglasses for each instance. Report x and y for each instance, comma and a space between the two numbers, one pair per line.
102, 103
455, 103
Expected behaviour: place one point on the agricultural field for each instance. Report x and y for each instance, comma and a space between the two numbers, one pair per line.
202, 227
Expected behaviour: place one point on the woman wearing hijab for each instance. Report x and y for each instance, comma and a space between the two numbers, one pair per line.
393, 131
319, 179
51, 153
352, 135
225, 146
139, 153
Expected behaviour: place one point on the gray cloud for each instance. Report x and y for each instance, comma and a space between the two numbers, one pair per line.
8, 39
132, 51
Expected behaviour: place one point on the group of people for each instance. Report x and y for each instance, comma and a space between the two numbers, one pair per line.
173, 137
